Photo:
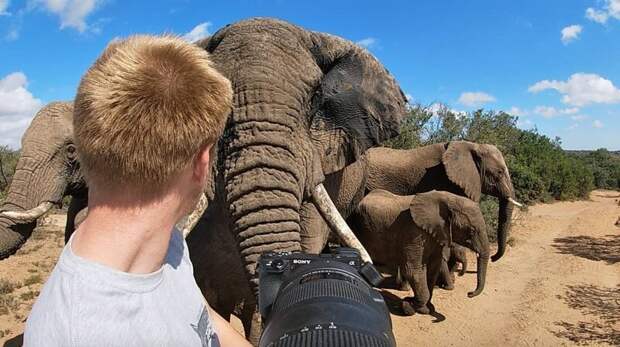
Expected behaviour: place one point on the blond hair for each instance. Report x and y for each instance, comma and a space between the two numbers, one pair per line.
145, 109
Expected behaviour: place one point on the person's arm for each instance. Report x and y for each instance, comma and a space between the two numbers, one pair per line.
228, 336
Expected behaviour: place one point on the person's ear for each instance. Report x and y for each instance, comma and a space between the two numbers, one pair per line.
202, 164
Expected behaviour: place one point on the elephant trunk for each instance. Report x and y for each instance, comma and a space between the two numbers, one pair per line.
265, 174
483, 262
503, 226
31, 194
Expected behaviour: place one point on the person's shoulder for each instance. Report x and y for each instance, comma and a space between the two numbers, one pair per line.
50, 320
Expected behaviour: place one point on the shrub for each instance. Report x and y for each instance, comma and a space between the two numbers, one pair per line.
8, 162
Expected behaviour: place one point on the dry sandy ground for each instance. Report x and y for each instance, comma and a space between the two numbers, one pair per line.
558, 285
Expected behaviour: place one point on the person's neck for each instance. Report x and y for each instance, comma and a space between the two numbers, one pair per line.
125, 235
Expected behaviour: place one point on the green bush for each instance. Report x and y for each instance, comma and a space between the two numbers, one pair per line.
8, 162
489, 206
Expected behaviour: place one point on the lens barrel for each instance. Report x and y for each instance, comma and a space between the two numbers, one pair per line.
327, 303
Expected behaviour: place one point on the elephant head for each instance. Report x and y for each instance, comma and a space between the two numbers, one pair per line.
305, 104
477, 168
47, 170
451, 218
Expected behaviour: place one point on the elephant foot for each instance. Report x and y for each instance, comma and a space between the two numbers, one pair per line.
404, 286
410, 307
447, 287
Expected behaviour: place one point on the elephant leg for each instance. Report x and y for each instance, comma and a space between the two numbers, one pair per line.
417, 277
433, 269
445, 280
413, 265
313, 229
76, 205
401, 283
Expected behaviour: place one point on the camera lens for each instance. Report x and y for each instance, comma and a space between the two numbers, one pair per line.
327, 303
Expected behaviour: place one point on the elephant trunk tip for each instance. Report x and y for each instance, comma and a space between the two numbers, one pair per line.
497, 256
474, 293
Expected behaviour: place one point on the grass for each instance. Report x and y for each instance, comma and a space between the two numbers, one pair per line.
7, 287
29, 295
33, 279
7, 304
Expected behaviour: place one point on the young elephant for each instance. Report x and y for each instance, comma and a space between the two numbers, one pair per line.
456, 254
411, 232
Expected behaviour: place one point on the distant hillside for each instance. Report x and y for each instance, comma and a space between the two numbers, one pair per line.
584, 152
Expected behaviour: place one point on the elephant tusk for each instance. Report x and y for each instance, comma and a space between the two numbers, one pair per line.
333, 218
514, 202
187, 223
29, 215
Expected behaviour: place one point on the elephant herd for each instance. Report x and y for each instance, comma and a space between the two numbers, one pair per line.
309, 111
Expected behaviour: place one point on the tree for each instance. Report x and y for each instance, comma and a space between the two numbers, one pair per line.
8, 162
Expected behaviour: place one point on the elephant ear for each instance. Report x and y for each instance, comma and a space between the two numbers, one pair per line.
356, 105
430, 214
460, 163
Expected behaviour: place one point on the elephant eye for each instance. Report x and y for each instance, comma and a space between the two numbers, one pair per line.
71, 151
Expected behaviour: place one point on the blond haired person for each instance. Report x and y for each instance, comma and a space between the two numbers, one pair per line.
146, 115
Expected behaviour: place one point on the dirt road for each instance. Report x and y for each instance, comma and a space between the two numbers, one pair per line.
558, 285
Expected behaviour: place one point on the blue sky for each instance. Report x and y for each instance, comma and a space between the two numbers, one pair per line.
554, 63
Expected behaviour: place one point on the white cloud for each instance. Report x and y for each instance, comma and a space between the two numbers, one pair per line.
550, 111
581, 89
4, 4
475, 98
596, 15
438, 108
611, 9
571, 33
17, 107
515, 111
72, 13
525, 124
573, 126
597, 124
368, 42
199, 32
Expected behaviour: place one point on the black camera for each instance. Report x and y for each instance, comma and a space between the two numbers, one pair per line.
321, 300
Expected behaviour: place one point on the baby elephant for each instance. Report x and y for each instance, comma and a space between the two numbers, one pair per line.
456, 254
411, 232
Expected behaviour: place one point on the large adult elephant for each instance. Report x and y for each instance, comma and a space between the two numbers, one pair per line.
306, 104
460, 167
47, 171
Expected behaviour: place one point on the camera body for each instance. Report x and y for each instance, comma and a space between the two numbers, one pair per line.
310, 300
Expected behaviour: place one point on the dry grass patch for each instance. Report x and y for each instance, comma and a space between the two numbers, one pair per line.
33, 279
7, 287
